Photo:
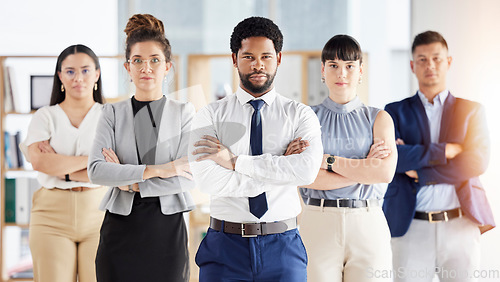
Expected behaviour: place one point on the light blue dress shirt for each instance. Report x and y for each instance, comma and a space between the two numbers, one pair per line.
436, 197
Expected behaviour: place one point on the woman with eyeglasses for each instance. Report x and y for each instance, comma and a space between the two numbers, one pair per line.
65, 219
140, 150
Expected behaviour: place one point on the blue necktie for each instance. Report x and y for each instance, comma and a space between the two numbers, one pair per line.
258, 204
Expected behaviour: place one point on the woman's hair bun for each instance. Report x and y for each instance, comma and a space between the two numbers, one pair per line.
144, 22
145, 27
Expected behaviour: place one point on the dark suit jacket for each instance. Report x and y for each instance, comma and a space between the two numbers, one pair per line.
463, 122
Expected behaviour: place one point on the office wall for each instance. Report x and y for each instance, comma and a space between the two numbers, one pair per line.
471, 30
47, 27
35, 28
382, 28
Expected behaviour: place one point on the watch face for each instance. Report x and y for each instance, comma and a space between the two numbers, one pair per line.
330, 160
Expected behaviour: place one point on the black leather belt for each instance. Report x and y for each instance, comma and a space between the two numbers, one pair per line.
253, 229
343, 203
439, 215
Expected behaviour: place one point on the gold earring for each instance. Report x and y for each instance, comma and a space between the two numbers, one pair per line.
62, 88
95, 86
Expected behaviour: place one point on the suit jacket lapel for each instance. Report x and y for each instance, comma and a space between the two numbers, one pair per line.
447, 118
423, 122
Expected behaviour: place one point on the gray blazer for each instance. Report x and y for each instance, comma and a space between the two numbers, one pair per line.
115, 130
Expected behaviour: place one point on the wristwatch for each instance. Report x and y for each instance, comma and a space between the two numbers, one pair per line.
329, 161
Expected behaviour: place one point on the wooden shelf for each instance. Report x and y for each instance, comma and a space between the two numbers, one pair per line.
24, 226
16, 113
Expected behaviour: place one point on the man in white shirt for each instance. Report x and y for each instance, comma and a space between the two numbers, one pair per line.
250, 151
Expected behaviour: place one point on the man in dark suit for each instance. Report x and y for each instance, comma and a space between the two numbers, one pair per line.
436, 202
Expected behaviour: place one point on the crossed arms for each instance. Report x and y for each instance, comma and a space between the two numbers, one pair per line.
452, 162
377, 167
223, 173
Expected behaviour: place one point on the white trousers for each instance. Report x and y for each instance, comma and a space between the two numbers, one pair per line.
346, 244
449, 250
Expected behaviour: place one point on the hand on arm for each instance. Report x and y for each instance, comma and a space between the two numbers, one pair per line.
327, 180
45, 147
379, 150
297, 146
45, 159
452, 150
216, 152
373, 170
412, 174
179, 167
111, 157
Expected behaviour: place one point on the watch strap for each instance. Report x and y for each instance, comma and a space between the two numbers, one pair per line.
329, 167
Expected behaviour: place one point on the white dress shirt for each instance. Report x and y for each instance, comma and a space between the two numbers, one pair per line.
438, 197
283, 120
51, 123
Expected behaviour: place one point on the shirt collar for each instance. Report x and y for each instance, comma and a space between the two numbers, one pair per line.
245, 97
342, 108
440, 98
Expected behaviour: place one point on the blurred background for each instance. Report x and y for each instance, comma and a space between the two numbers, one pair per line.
32, 32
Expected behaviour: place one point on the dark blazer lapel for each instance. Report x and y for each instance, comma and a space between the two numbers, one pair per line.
447, 118
423, 122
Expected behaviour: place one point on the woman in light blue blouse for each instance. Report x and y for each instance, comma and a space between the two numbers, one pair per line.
343, 226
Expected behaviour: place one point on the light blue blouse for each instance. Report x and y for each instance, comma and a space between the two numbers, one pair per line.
346, 131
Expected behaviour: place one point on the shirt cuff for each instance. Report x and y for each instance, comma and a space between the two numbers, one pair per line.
141, 169
244, 164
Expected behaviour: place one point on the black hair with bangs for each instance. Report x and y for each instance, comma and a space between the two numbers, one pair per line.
342, 47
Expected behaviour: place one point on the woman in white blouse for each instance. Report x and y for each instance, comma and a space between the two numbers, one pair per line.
65, 219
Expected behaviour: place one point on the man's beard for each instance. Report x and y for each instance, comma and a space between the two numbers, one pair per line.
245, 81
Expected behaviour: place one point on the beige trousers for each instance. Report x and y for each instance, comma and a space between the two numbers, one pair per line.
346, 244
64, 234
449, 250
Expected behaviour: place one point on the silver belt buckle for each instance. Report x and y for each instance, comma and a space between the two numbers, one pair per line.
243, 232
431, 219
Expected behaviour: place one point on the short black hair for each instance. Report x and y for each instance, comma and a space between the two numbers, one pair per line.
428, 37
342, 47
256, 27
